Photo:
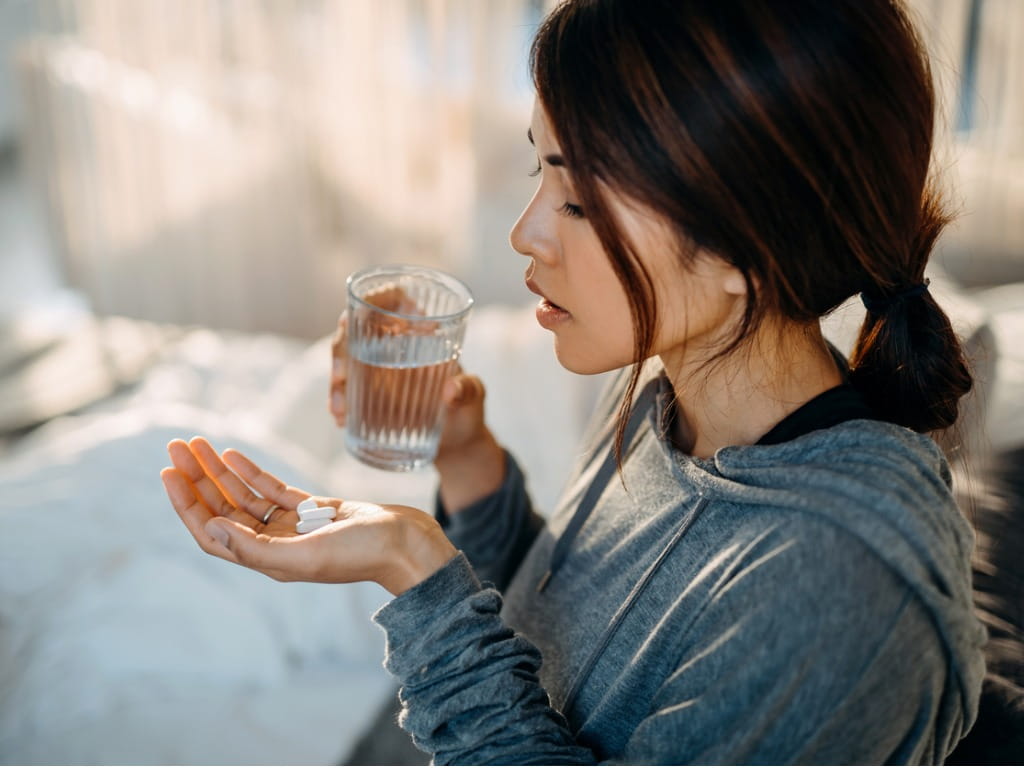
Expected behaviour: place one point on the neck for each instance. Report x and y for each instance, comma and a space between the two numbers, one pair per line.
737, 399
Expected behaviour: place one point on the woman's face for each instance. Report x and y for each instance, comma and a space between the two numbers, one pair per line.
583, 303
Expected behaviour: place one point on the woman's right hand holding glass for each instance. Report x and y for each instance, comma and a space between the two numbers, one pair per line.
470, 462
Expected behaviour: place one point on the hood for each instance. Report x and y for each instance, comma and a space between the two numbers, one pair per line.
891, 488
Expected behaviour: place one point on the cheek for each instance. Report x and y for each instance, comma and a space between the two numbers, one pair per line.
614, 323
600, 337
605, 301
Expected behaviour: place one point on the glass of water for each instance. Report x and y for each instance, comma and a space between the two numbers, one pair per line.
405, 330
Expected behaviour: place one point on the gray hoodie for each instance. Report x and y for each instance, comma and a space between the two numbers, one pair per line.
806, 602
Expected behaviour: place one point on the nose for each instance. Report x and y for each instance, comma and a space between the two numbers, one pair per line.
532, 235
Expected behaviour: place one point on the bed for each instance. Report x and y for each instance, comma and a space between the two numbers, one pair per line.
120, 641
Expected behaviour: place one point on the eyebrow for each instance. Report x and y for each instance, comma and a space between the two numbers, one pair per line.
553, 160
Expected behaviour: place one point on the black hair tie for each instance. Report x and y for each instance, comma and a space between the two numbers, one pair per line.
879, 305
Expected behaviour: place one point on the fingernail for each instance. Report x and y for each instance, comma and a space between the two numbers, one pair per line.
337, 401
338, 368
219, 532
452, 391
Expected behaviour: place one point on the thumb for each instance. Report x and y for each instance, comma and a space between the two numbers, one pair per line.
463, 389
236, 539
219, 532
273, 557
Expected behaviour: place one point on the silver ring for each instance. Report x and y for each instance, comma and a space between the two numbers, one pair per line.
269, 512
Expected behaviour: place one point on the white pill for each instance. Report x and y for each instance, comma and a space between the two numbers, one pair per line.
305, 504
320, 513
308, 526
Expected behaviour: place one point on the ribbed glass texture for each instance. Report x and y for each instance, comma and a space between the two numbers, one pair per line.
405, 330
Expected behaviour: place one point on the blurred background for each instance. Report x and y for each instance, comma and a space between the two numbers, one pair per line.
184, 186
228, 163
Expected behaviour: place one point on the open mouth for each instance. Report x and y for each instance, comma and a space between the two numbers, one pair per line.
549, 314
534, 288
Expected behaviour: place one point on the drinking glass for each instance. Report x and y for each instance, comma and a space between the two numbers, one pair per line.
405, 330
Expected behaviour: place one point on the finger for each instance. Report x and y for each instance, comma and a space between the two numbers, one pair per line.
193, 512
285, 558
394, 299
391, 298
339, 333
339, 347
339, 371
336, 405
462, 390
229, 483
264, 482
186, 462
336, 400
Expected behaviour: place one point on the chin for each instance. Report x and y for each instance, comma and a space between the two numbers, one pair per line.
587, 362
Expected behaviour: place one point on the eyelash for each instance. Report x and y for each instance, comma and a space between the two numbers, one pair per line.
570, 210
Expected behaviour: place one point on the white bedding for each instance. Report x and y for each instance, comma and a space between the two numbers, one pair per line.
121, 642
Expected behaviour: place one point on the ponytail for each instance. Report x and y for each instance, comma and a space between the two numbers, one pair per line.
908, 363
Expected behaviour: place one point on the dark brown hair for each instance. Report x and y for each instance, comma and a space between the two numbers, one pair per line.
791, 139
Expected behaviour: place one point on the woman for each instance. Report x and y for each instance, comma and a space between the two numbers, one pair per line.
759, 558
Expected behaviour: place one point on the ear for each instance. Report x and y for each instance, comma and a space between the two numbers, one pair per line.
733, 283
719, 275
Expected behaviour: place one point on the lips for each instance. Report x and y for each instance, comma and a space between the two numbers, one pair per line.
550, 315
532, 286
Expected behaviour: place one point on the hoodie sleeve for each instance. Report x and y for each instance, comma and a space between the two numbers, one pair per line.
470, 692
496, 531
782, 663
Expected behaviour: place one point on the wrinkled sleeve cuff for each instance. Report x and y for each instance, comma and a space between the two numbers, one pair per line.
410, 618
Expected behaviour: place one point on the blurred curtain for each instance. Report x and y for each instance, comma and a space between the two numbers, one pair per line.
977, 48
229, 162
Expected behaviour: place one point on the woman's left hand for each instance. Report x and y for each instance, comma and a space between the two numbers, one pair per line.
394, 546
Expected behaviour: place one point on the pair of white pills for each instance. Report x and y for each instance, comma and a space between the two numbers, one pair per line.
312, 517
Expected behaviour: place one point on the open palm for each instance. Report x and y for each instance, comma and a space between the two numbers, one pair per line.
224, 507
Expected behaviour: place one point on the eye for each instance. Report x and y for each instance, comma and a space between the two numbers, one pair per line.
535, 171
573, 211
